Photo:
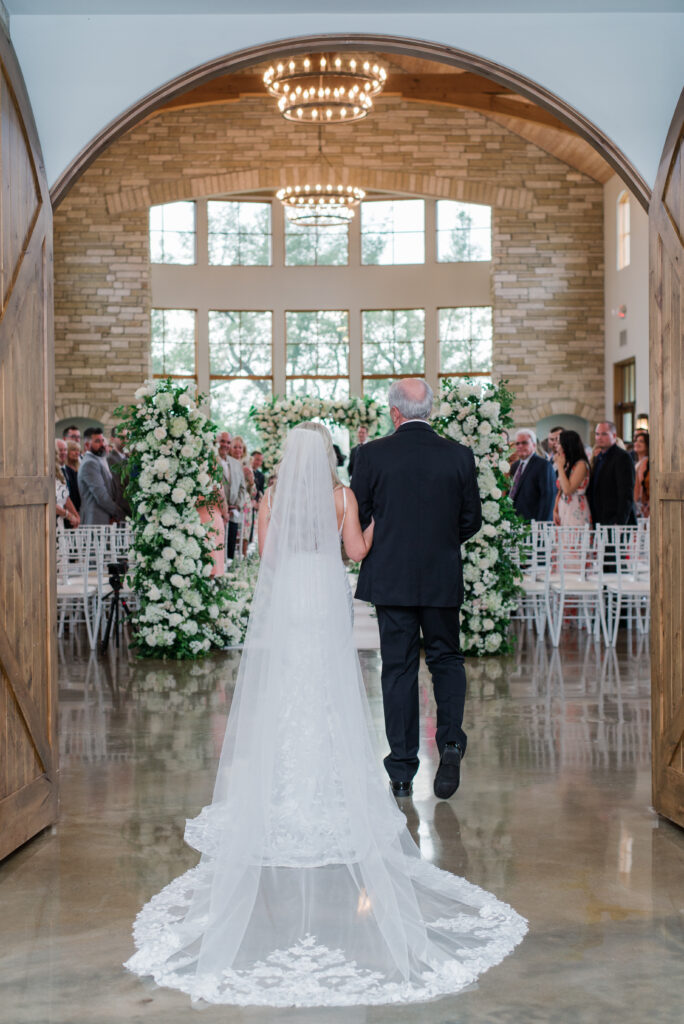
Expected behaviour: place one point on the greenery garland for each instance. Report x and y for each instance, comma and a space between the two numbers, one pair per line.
182, 610
479, 415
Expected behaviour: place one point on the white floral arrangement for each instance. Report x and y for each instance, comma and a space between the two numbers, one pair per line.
182, 610
478, 415
275, 418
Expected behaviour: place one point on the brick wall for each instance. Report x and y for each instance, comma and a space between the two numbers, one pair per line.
547, 265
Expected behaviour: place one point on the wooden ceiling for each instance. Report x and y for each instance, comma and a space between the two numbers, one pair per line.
424, 81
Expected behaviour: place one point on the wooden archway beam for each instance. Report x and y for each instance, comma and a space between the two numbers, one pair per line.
243, 59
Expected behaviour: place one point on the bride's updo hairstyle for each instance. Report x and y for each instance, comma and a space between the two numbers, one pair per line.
325, 434
326, 437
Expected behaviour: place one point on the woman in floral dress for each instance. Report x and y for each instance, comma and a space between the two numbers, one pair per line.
572, 506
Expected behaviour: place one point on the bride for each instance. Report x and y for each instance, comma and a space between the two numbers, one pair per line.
310, 890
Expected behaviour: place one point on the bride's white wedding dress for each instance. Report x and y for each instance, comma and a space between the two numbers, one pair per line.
310, 890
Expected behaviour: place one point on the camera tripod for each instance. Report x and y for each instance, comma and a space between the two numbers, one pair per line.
117, 605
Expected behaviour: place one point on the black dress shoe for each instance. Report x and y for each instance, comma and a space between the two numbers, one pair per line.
401, 788
449, 772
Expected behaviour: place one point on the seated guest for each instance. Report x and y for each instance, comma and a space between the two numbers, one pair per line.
533, 482
611, 487
642, 485
572, 466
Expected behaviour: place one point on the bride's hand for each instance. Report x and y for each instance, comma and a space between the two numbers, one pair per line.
368, 533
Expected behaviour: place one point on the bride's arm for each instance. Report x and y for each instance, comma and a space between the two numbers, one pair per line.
357, 542
263, 520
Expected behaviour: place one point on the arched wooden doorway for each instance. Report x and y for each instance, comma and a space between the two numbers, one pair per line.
25, 817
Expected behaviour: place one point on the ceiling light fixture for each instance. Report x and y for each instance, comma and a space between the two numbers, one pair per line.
325, 89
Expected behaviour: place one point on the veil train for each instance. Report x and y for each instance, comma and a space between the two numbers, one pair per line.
310, 890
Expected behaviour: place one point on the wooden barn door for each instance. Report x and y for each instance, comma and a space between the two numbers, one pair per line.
666, 218
28, 758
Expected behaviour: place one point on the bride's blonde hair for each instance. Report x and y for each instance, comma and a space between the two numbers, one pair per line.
326, 436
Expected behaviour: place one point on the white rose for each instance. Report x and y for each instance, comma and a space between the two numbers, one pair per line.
445, 409
177, 581
185, 400
154, 593
160, 433
488, 624
169, 554
485, 428
178, 496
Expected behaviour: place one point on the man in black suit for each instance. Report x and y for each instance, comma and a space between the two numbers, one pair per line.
362, 435
533, 481
421, 490
611, 487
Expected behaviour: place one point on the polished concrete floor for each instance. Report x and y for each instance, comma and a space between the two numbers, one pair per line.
553, 816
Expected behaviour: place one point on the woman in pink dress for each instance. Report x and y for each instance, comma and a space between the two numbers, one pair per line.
572, 506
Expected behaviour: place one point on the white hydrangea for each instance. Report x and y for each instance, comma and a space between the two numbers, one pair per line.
163, 401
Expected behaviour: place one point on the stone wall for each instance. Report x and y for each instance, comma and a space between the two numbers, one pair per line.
547, 265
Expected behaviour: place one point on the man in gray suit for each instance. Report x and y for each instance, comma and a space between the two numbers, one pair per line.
98, 506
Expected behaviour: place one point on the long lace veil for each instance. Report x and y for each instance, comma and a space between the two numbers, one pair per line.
310, 890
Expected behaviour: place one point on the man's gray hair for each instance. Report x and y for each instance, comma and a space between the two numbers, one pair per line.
529, 432
410, 409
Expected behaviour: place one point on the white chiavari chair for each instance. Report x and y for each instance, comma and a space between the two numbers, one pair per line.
79, 582
628, 586
576, 559
533, 606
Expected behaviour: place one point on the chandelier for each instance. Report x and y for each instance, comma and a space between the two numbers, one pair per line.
325, 89
322, 201
320, 205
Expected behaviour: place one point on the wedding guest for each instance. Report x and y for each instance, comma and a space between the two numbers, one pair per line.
238, 450
362, 438
72, 433
259, 475
572, 507
233, 487
642, 485
532, 480
611, 487
70, 470
117, 460
98, 507
87, 437
553, 442
64, 507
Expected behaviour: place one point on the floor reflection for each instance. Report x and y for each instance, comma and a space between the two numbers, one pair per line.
553, 815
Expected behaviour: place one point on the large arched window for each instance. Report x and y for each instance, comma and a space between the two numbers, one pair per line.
623, 230
249, 306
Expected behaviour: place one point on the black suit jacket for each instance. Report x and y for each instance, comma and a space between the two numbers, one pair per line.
421, 490
611, 489
536, 494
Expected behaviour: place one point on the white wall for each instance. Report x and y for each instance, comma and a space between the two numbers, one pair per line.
627, 287
622, 71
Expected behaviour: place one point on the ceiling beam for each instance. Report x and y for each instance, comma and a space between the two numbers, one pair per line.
466, 90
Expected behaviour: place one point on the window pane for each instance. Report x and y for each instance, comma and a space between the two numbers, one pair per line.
230, 402
393, 231
240, 343
465, 339
239, 234
378, 389
173, 341
393, 341
317, 342
464, 232
172, 233
318, 388
314, 246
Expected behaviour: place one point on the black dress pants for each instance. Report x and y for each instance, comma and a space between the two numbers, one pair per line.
400, 629
232, 539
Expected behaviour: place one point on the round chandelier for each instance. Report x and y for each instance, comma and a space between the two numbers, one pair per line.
325, 88
320, 205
